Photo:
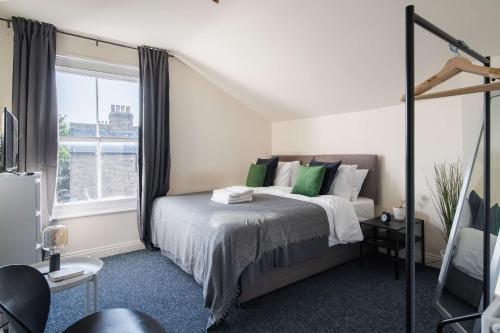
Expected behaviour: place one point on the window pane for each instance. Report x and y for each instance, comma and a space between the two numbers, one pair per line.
118, 108
76, 103
77, 172
119, 169
96, 105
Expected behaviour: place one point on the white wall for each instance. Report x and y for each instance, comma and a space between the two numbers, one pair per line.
381, 131
473, 107
213, 140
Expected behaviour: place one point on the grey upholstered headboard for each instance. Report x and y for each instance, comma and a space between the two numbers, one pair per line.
370, 187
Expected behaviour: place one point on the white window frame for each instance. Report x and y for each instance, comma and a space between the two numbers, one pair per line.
102, 205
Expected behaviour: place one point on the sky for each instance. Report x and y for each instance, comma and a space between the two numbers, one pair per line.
76, 97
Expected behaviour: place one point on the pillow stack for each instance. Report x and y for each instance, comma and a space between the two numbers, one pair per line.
330, 173
271, 166
263, 172
317, 178
271, 171
339, 179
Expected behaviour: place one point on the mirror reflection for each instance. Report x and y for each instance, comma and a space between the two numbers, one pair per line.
460, 286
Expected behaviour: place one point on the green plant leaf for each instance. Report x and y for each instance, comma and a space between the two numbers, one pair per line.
448, 180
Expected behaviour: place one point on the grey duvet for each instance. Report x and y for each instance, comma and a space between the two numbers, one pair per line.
216, 242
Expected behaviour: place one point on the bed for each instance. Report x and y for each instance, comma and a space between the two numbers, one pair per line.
240, 252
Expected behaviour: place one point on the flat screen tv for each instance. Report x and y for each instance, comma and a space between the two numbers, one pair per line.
8, 142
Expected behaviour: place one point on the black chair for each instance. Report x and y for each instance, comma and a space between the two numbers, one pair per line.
25, 301
24, 298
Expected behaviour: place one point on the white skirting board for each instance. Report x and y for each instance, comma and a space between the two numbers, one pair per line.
106, 251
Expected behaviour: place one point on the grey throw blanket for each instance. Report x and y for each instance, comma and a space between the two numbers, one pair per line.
216, 242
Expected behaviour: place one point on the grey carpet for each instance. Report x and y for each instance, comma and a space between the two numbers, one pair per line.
343, 299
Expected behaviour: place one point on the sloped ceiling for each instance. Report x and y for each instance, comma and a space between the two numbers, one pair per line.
284, 59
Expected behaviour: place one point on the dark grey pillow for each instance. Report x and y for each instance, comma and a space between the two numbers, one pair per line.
476, 204
271, 166
330, 172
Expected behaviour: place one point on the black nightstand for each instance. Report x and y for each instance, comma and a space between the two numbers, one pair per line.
390, 236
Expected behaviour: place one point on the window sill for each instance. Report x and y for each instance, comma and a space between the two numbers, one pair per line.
92, 208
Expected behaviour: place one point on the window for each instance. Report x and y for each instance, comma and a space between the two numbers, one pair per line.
98, 141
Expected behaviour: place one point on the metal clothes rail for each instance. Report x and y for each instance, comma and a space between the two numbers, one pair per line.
413, 19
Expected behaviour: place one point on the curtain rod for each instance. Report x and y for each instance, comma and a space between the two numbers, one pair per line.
96, 40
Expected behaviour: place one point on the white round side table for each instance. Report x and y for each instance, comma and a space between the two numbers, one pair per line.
91, 267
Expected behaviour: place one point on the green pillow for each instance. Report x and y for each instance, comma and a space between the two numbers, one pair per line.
256, 175
309, 180
495, 219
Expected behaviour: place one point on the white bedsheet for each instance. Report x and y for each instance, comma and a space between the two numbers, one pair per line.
364, 207
342, 218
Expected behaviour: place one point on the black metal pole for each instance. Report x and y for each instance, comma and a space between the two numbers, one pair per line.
487, 161
96, 40
410, 170
411, 19
446, 322
449, 39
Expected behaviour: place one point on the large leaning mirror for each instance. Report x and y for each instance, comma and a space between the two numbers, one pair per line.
460, 285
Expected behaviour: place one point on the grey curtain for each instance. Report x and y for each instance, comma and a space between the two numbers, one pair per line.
154, 135
34, 103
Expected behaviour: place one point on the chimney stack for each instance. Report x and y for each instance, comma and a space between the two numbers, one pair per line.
121, 118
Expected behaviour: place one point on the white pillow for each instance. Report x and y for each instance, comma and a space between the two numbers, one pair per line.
358, 182
284, 172
294, 172
343, 182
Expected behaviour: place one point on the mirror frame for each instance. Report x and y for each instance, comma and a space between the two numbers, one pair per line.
494, 260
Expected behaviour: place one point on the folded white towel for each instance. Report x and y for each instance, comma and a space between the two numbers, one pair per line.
226, 200
234, 191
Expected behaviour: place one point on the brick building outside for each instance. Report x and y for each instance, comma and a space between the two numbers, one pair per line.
117, 159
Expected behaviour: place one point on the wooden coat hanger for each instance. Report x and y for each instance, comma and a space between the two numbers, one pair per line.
453, 67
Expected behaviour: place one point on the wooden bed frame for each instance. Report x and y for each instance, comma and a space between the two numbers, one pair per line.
283, 276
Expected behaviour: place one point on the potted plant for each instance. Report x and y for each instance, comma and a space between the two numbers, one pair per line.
448, 178
400, 211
